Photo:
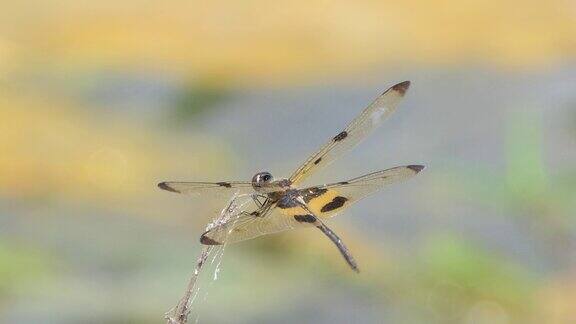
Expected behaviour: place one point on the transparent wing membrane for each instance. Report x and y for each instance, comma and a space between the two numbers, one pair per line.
213, 188
322, 201
330, 199
356, 131
247, 226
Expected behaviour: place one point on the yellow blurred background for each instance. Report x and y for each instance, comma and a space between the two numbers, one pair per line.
100, 100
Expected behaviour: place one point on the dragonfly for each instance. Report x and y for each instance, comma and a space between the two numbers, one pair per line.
281, 204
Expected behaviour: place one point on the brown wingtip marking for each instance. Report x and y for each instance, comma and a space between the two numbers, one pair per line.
401, 87
416, 168
165, 186
208, 241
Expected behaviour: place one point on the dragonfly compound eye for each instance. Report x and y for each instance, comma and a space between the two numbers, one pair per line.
262, 177
266, 177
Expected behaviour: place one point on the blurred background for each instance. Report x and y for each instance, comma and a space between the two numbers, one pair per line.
100, 100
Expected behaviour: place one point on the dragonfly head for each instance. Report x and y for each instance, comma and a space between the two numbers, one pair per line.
261, 179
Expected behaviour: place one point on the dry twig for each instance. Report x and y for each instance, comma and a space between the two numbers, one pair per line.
179, 314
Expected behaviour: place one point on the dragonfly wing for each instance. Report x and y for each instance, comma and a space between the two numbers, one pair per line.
356, 131
322, 201
328, 200
213, 188
248, 226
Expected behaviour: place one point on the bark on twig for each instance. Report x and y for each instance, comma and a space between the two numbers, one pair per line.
179, 314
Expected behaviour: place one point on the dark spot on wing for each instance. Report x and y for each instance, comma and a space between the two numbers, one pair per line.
336, 203
208, 241
340, 136
224, 184
415, 168
401, 87
343, 182
255, 213
165, 186
305, 218
318, 160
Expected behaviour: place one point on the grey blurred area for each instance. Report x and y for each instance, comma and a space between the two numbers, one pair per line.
472, 237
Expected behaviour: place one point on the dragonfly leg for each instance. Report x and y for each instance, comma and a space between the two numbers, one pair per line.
258, 200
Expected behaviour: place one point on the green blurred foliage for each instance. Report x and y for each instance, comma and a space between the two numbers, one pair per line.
468, 274
23, 269
197, 98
